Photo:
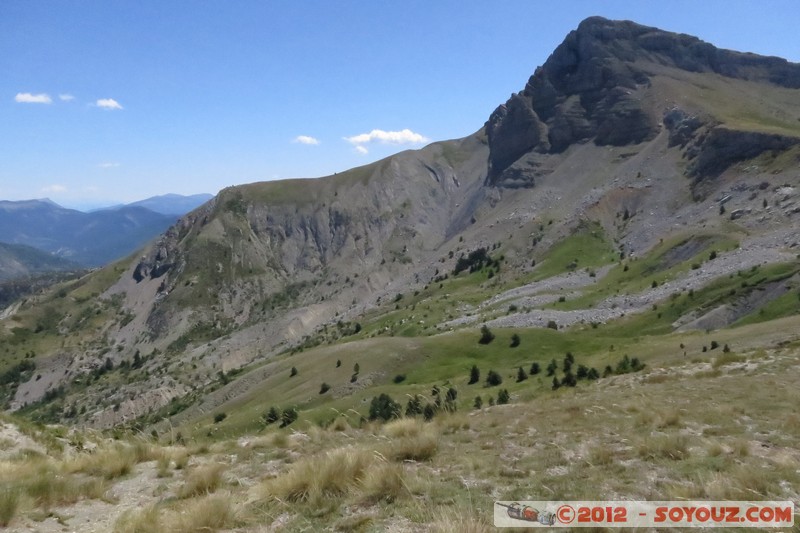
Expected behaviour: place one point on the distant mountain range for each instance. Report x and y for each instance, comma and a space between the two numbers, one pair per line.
18, 260
89, 239
167, 204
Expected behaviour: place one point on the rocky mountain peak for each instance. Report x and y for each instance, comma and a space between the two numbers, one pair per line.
592, 87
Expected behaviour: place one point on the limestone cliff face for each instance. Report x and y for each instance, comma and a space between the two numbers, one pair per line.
261, 247
595, 86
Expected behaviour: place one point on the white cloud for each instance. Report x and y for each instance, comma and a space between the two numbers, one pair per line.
28, 98
107, 165
108, 103
305, 139
361, 149
405, 136
66, 97
55, 188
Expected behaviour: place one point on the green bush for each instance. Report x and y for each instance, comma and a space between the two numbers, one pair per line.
272, 416
503, 397
383, 407
486, 335
493, 379
474, 375
289, 415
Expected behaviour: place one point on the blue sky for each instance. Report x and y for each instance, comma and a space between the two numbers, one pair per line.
110, 101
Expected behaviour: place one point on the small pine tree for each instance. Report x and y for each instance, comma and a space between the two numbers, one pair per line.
515, 340
503, 397
383, 407
493, 379
486, 335
521, 375
551, 368
535, 369
583, 372
353, 378
414, 406
293, 372
356, 368
593, 374
714, 345
429, 412
491, 401
324, 388
288, 416
219, 417
556, 383
478, 402
726, 349
607, 371
474, 375
552, 324
452, 394
624, 365
272, 416
569, 380
338, 363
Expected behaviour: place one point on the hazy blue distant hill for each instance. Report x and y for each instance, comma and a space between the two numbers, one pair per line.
90, 239
18, 260
170, 204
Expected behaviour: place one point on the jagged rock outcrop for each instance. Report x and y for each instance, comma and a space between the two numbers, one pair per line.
593, 87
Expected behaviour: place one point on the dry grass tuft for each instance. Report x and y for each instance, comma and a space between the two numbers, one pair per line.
726, 359
403, 427
201, 480
601, 456
669, 419
673, 447
741, 448
715, 449
210, 513
414, 442
147, 520
452, 422
109, 463
340, 424
329, 475
792, 424
162, 465
9, 502
383, 482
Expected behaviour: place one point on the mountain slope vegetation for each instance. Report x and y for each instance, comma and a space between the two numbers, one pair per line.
624, 227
